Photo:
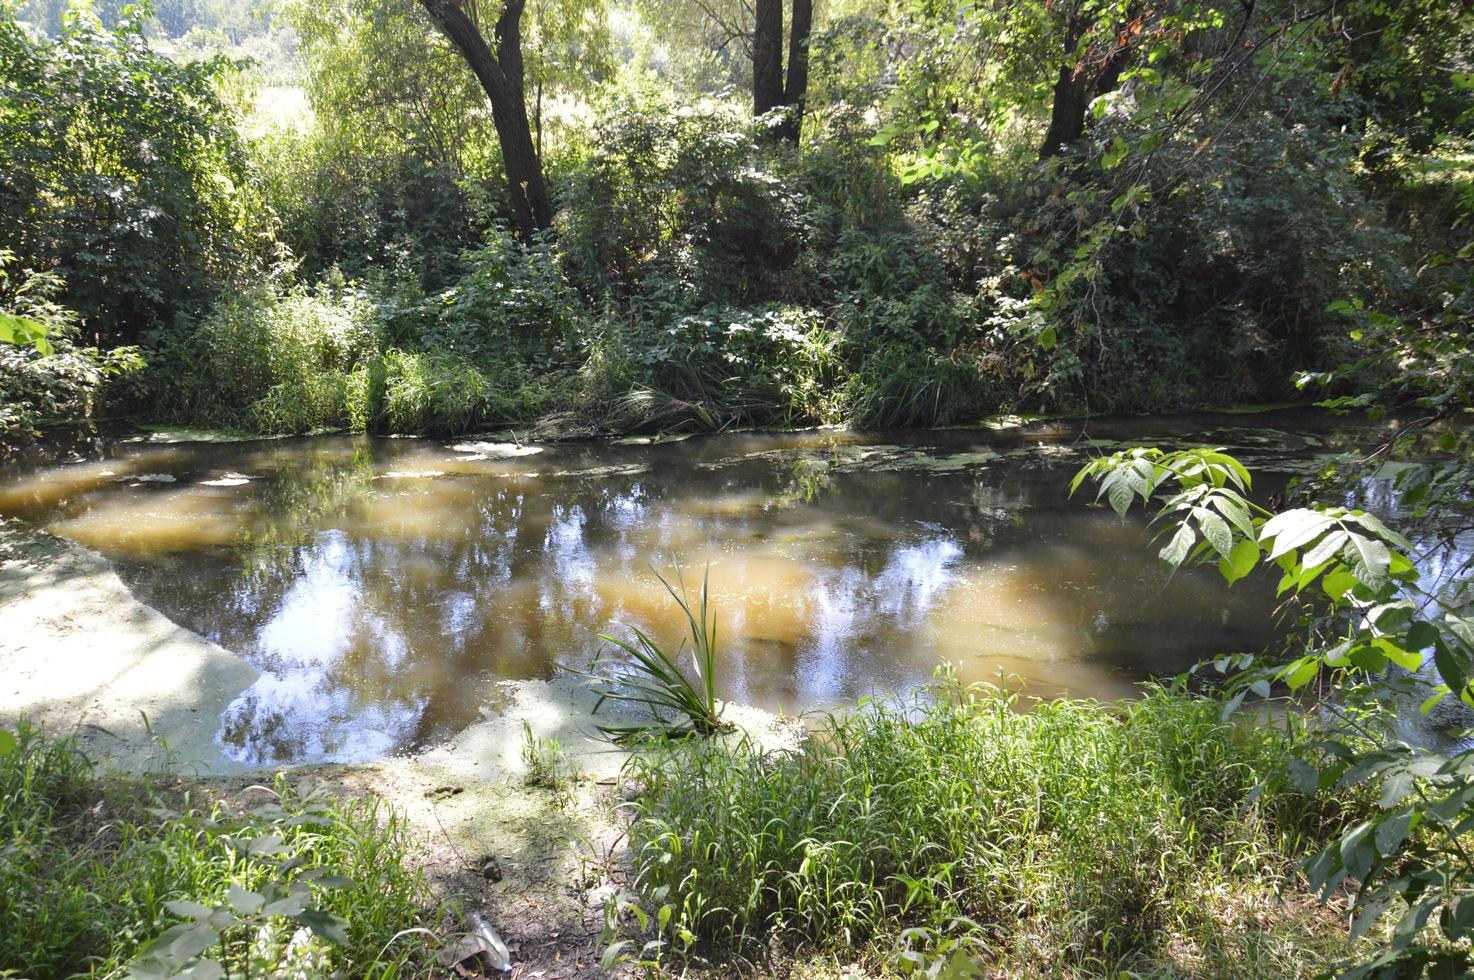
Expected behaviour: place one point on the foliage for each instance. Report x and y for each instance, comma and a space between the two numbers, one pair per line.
1383, 641
102, 874
678, 200
1089, 834
277, 359
653, 680
381, 180
45, 374
125, 175
548, 766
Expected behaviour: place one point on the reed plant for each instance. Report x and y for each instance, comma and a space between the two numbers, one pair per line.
649, 678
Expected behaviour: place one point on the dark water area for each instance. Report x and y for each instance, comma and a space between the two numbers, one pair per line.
384, 586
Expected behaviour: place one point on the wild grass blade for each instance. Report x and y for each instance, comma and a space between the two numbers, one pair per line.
649, 677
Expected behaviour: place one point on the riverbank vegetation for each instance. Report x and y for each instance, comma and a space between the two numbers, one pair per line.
107, 876
1070, 839
936, 214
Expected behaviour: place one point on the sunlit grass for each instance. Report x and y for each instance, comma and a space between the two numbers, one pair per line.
89, 868
1077, 837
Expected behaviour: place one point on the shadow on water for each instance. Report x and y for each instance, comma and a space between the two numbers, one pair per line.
383, 587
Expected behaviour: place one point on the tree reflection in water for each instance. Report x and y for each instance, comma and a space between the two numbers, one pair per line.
383, 587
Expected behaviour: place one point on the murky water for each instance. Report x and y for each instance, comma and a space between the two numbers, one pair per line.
383, 587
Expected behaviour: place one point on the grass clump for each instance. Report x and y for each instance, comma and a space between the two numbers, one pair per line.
652, 678
101, 876
548, 766
1076, 838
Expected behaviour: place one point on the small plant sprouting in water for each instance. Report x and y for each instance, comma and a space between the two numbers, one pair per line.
547, 765
653, 678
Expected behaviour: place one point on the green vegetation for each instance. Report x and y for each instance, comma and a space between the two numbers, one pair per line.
102, 875
1071, 838
652, 679
548, 766
575, 217
940, 213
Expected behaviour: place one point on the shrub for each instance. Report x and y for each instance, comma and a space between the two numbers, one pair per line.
273, 359
681, 194
57, 379
124, 172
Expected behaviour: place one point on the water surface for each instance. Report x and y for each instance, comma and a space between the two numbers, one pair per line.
384, 586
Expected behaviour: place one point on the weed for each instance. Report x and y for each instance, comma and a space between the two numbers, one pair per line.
99, 874
652, 677
1084, 833
548, 766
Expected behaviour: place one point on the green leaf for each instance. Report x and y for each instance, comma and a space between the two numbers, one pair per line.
8, 743
245, 902
1178, 548
1304, 776
1301, 672
1114, 154
1326, 548
1215, 530
24, 330
1439, 693
613, 956
188, 910
1370, 561
333, 928
1392, 831
1240, 561
1338, 583
1292, 529
185, 942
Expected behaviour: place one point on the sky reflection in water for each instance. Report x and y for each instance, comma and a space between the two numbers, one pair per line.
383, 587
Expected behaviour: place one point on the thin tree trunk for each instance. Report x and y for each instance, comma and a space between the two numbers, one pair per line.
767, 57
500, 75
796, 90
1078, 84
1067, 114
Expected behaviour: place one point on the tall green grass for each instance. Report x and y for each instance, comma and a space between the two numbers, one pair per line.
1073, 838
92, 869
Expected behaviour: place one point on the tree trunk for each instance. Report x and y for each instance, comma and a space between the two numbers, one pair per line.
1067, 115
1078, 84
500, 75
796, 91
767, 57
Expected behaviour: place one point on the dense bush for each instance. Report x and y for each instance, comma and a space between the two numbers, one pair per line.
124, 173
288, 358
277, 359
54, 378
914, 262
